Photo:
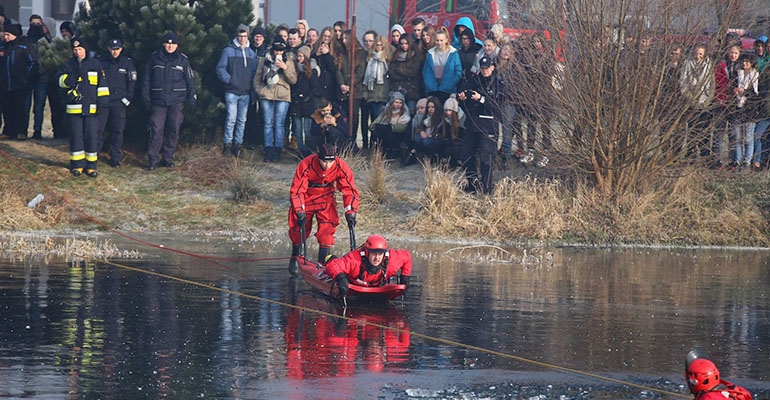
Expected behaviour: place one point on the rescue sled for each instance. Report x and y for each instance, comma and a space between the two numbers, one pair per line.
315, 275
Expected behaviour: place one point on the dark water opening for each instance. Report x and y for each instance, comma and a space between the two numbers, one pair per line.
95, 330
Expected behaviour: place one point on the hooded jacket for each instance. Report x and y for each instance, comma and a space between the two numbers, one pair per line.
453, 71
467, 23
236, 68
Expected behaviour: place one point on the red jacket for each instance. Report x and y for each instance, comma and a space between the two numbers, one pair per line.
312, 185
725, 390
352, 263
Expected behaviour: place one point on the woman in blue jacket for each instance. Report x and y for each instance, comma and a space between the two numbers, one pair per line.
443, 69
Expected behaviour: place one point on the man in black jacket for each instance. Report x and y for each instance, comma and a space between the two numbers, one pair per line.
18, 72
168, 84
121, 79
482, 99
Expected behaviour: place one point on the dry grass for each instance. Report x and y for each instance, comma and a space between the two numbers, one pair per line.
209, 192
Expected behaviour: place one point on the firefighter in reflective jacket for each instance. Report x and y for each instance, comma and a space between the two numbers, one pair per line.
312, 194
83, 78
371, 265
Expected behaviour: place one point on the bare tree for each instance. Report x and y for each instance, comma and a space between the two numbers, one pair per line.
611, 101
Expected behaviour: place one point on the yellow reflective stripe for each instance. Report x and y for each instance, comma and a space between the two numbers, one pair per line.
93, 78
74, 108
92, 109
102, 91
77, 155
62, 78
91, 157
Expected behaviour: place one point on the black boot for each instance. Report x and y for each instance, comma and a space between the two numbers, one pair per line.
268, 154
293, 263
236, 151
227, 149
323, 253
277, 153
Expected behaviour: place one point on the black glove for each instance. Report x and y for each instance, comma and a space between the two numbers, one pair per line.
351, 218
301, 219
404, 280
342, 284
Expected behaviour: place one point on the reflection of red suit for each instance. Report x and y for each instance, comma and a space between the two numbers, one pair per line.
725, 390
353, 262
312, 191
321, 346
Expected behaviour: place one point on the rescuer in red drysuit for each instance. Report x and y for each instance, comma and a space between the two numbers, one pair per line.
705, 383
371, 265
312, 194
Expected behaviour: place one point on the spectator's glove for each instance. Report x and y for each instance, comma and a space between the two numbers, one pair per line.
301, 218
351, 218
404, 280
342, 284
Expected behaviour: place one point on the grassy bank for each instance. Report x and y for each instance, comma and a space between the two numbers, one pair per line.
209, 192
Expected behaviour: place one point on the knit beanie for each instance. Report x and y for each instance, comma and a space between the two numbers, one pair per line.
451, 104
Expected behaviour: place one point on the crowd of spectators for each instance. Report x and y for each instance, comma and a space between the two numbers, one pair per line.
406, 90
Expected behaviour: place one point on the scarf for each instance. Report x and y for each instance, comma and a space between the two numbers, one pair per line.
376, 69
271, 76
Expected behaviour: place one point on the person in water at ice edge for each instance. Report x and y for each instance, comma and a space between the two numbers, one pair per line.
706, 383
312, 194
373, 264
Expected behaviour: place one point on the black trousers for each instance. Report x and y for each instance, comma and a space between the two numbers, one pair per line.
114, 119
83, 141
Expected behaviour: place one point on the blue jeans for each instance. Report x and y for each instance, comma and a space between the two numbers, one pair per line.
237, 106
274, 116
759, 131
301, 128
39, 95
744, 140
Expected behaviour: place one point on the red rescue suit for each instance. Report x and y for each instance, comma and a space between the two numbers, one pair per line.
725, 390
312, 192
352, 264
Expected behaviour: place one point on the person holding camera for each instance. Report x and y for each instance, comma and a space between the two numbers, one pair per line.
482, 99
276, 73
316, 180
328, 126
304, 95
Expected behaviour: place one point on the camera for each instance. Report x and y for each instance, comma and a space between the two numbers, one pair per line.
468, 93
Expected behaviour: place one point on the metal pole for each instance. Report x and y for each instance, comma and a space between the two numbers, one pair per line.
352, 92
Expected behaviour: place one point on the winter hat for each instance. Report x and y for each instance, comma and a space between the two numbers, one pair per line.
423, 102
170, 37
278, 43
242, 28
398, 28
305, 51
762, 39
327, 152
78, 42
258, 31
50, 23
451, 104
397, 96
303, 22
14, 29
68, 26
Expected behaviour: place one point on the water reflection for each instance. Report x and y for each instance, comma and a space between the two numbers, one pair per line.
70, 330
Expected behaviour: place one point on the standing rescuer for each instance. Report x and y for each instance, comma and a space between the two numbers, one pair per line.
312, 194
86, 85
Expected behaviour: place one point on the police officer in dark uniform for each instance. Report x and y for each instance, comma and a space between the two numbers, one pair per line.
168, 84
86, 84
121, 79
482, 99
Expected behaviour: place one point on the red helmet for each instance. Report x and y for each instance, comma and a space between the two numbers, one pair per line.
376, 243
702, 375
